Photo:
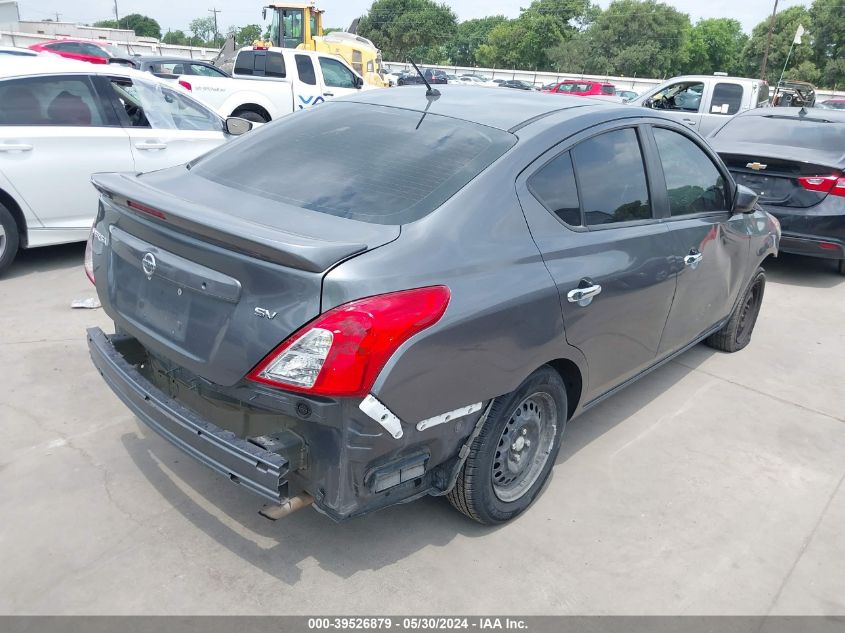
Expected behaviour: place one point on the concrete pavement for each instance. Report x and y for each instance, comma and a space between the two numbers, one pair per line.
713, 486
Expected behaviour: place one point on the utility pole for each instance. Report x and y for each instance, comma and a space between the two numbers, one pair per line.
116, 18
215, 11
769, 42
58, 16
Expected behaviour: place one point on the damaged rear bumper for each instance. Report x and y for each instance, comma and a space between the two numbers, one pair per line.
261, 471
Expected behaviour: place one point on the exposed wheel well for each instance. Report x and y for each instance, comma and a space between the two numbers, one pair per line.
9, 202
252, 107
571, 376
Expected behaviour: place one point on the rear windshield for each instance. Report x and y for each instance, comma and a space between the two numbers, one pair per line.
809, 132
375, 164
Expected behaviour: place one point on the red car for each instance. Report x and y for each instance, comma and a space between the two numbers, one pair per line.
83, 50
583, 88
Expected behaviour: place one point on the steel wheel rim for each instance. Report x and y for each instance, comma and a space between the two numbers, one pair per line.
748, 316
524, 446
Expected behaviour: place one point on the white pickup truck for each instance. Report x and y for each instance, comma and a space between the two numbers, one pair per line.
704, 102
267, 83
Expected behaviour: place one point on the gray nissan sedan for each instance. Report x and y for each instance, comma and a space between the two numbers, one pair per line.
396, 295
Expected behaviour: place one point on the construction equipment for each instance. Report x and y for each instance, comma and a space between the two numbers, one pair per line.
297, 25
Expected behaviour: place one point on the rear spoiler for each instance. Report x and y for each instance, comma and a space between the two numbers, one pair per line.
219, 227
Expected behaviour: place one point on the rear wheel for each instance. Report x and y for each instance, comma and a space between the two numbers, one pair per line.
736, 333
512, 456
9, 238
842, 266
250, 115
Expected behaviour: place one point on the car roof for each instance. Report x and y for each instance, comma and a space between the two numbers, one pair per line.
55, 65
74, 39
504, 110
834, 116
170, 58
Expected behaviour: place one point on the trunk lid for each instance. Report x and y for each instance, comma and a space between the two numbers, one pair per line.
210, 277
772, 171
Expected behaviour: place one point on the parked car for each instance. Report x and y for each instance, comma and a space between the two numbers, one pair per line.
795, 160
432, 75
518, 84
300, 324
703, 102
473, 80
452, 79
85, 51
61, 121
626, 94
269, 83
831, 104
583, 88
172, 67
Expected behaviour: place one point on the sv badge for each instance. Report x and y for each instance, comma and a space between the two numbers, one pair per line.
264, 313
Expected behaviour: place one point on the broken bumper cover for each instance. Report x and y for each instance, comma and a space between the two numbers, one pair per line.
261, 471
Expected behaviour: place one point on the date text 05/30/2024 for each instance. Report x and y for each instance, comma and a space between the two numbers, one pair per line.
418, 623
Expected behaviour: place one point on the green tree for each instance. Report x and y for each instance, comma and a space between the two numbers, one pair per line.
785, 28
419, 29
469, 36
177, 38
202, 30
142, 25
246, 35
641, 38
716, 45
526, 41
828, 34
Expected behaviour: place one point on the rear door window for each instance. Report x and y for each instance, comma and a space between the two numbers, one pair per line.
64, 101
554, 186
612, 178
305, 70
693, 182
392, 166
727, 99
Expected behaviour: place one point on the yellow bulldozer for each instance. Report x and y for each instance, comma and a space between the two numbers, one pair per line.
301, 26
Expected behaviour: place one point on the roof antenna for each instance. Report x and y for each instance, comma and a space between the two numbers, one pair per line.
431, 92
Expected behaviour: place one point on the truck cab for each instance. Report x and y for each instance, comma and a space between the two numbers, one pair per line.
703, 102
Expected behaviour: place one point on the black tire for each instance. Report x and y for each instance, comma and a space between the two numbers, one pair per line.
736, 333
482, 490
842, 266
250, 115
9, 239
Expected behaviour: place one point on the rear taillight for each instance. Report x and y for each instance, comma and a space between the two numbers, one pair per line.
834, 185
185, 85
341, 352
89, 257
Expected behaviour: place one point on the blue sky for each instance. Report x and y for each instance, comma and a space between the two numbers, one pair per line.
341, 12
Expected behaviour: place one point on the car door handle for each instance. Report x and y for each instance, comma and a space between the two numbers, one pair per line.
690, 122
584, 293
15, 147
328, 94
693, 259
150, 145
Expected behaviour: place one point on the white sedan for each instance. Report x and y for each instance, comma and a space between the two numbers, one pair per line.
62, 120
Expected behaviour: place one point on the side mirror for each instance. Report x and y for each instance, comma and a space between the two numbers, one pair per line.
745, 200
359, 82
648, 103
237, 126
